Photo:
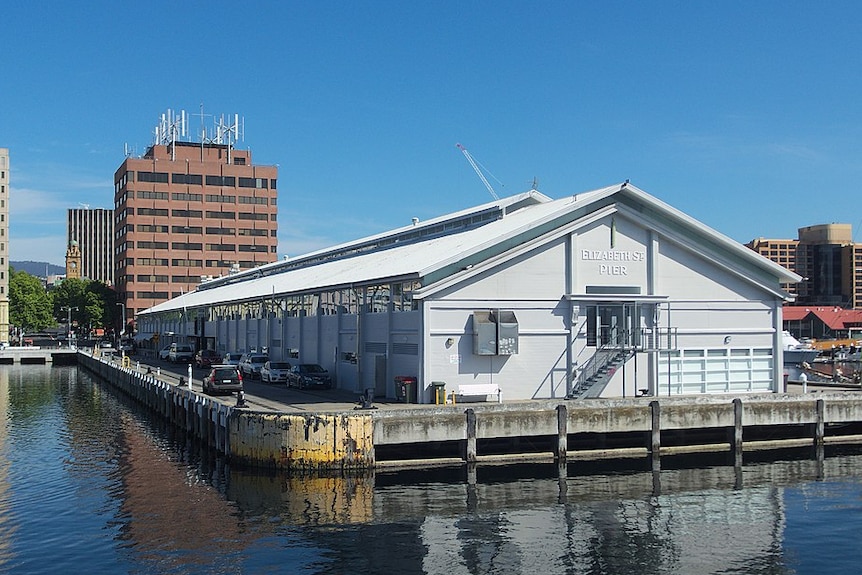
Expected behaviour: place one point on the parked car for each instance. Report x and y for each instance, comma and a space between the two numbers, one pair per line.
274, 371
164, 352
305, 375
251, 363
207, 358
127, 345
231, 358
222, 379
181, 352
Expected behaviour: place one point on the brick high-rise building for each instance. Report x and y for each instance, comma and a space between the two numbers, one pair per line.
828, 260
186, 211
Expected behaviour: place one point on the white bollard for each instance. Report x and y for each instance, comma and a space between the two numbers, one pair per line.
190, 376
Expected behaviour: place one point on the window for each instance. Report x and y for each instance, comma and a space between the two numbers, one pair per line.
223, 181
220, 198
220, 231
250, 232
150, 228
186, 229
151, 212
182, 196
153, 245
186, 263
248, 216
152, 294
239, 161
252, 200
152, 261
221, 215
152, 278
248, 248
221, 248
186, 246
157, 177
186, 213
259, 183
191, 179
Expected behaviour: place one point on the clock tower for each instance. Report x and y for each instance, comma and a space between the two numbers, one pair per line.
73, 261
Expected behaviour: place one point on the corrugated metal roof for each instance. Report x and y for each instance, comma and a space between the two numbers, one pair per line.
418, 259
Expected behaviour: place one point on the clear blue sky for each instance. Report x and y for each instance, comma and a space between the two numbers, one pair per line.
744, 115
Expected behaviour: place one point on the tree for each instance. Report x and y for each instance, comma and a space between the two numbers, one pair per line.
95, 302
30, 305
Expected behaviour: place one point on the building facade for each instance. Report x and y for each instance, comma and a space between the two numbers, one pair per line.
92, 230
4, 244
609, 293
828, 260
186, 211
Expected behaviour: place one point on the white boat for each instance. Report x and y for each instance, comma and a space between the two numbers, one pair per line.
795, 352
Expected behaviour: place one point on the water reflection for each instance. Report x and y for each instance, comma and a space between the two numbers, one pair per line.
129, 493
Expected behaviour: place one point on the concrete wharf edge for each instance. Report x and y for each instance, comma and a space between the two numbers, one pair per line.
346, 440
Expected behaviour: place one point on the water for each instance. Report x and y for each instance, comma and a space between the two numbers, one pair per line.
90, 484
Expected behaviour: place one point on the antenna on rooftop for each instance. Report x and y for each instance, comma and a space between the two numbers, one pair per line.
170, 129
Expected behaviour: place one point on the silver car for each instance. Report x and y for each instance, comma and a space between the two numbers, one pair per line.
274, 372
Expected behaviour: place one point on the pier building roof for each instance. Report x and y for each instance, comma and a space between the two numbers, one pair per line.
441, 250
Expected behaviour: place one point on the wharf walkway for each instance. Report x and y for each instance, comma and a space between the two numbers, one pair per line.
327, 431
38, 355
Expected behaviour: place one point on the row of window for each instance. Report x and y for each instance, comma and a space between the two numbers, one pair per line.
153, 278
193, 230
163, 212
188, 197
195, 246
198, 180
185, 263
397, 297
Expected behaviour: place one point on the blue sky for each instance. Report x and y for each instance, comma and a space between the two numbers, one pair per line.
744, 115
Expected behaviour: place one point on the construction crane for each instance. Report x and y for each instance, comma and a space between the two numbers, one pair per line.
478, 171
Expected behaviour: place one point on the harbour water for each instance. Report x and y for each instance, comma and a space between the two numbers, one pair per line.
90, 484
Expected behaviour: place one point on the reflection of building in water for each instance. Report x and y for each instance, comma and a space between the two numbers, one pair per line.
611, 523
169, 509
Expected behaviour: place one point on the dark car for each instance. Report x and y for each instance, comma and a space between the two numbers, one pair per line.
207, 358
222, 379
306, 375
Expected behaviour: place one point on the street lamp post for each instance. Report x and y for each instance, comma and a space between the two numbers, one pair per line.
123, 319
69, 323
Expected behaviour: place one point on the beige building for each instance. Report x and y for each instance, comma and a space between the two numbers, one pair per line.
4, 245
188, 211
828, 260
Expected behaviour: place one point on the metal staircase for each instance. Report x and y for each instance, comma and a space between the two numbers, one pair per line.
597, 372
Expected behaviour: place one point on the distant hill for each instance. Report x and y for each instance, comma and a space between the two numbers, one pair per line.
38, 269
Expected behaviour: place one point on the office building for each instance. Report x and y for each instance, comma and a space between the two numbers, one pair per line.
4, 245
187, 211
92, 232
828, 260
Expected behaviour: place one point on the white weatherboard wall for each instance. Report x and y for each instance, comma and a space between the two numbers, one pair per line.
723, 325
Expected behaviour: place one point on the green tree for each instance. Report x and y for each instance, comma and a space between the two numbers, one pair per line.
30, 305
92, 303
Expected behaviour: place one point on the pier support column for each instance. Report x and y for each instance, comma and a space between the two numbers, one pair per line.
562, 432
820, 422
655, 434
470, 455
736, 444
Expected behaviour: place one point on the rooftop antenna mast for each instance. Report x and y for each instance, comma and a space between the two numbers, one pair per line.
170, 129
478, 171
229, 133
